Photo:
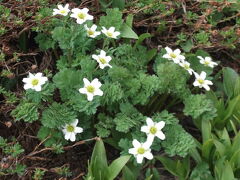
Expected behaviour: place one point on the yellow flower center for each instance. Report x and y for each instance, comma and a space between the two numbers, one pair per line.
109, 34
102, 60
201, 81
141, 150
63, 11
70, 128
186, 66
81, 16
173, 55
153, 130
90, 89
35, 82
90, 32
207, 62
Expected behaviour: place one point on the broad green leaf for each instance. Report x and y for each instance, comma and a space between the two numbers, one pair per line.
116, 166
227, 172
118, 4
127, 32
235, 159
98, 162
129, 20
129, 173
187, 46
207, 148
230, 78
141, 38
151, 53
221, 149
169, 165
206, 130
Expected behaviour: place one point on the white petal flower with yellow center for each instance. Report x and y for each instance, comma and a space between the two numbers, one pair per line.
111, 33
175, 55
201, 82
153, 129
141, 150
70, 131
61, 10
81, 15
91, 88
102, 59
186, 65
207, 61
34, 82
91, 32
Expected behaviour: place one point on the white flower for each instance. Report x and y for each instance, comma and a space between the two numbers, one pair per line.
81, 15
91, 88
207, 61
110, 32
186, 65
91, 32
61, 10
153, 129
102, 59
141, 150
34, 82
201, 82
70, 130
173, 55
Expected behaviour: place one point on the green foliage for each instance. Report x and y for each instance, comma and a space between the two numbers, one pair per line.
38, 174
45, 41
199, 107
51, 137
176, 80
11, 151
10, 97
99, 168
128, 117
26, 111
57, 115
113, 18
104, 125
178, 141
201, 172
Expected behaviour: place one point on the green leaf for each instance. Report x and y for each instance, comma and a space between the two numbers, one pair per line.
127, 32
187, 46
206, 130
98, 163
26, 111
57, 115
141, 38
116, 166
129, 20
207, 149
227, 172
118, 4
169, 164
230, 78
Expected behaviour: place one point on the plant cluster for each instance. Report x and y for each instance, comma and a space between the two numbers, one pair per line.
106, 83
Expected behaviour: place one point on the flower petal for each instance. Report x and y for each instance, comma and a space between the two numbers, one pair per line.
139, 158
78, 130
160, 135
169, 50
136, 144
86, 82
148, 155
149, 122
145, 129
72, 137
160, 125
